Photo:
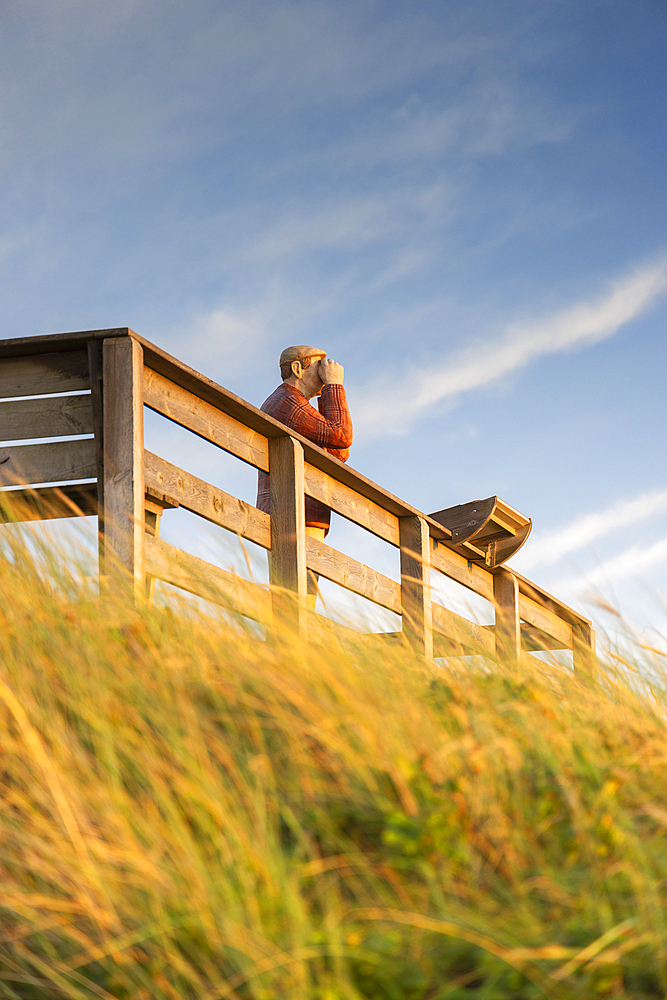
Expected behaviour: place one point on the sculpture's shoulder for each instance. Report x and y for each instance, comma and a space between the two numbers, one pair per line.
283, 400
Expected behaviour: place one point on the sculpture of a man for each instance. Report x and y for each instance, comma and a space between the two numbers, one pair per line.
307, 372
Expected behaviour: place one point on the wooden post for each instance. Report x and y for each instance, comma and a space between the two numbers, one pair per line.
508, 627
288, 572
123, 487
583, 648
416, 583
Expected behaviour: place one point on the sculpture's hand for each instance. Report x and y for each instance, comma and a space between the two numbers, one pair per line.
331, 372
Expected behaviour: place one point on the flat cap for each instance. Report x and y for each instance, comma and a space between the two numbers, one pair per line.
300, 352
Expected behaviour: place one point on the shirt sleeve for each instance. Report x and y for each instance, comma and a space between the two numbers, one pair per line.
330, 428
335, 423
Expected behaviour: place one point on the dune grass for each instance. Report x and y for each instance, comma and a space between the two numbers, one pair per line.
188, 813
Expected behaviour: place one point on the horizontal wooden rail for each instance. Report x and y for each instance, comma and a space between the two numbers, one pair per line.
352, 575
350, 504
61, 343
210, 423
203, 579
547, 600
545, 620
51, 416
179, 488
42, 503
534, 640
182, 489
457, 567
47, 463
453, 630
43, 373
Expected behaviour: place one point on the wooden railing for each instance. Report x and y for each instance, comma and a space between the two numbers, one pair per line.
130, 488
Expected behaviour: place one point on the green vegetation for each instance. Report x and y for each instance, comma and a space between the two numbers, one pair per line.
186, 813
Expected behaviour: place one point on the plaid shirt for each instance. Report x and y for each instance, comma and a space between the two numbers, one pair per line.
331, 429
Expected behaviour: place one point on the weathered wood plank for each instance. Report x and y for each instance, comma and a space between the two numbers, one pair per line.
47, 463
534, 639
351, 505
455, 566
51, 416
416, 584
123, 513
96, 372
65, 343
508, 627
352, 575
546, 621
287, 565
547, 600
44, 373
185, 490
455, 634
44, 502
207, 421
201, 578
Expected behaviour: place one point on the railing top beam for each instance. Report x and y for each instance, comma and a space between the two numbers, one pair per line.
537, 593
48, 343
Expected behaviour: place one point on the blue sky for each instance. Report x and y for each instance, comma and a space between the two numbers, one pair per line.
462, 202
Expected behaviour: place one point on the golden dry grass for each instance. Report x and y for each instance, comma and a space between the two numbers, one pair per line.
188, 813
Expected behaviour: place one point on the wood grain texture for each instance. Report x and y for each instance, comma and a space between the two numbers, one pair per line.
352, 505
547, 600
96, 374
546, 621
47, 463
416, 584
534, 639
181, 569
62, 343
287, 565
508, 627
210, 423
353, 575
123, 513
42, 503
456, 567
455, 635
44, 373
52, 416
185, 490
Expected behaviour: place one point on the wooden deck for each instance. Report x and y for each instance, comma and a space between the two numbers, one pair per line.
118, 374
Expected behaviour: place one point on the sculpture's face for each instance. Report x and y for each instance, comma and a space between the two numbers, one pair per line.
309, 381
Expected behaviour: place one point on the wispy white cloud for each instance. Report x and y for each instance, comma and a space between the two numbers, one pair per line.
353, 222
386, 409
584, 530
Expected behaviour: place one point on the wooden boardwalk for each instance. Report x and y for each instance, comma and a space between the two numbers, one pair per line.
130, 488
